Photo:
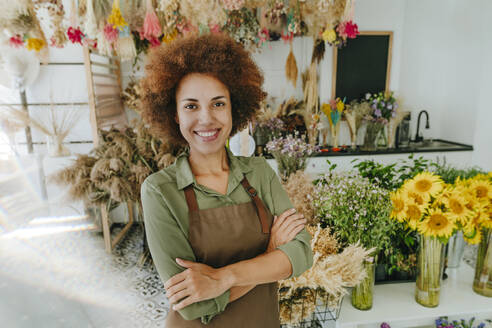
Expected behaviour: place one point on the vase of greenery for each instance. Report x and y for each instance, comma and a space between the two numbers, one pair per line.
358, 212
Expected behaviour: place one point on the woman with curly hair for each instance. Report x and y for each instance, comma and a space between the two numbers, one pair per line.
221, 229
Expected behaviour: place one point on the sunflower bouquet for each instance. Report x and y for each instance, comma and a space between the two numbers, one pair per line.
473, 198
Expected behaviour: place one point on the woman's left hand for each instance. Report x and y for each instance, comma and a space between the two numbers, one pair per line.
197, 283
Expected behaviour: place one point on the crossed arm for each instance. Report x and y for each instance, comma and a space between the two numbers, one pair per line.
201, 282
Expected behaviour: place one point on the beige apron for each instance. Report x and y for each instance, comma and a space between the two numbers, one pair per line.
225, 235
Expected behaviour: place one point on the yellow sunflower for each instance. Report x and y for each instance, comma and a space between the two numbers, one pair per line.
456, 203
413, 213
482, 189
420, 199
398, 210
480, 215
437, 224
473, 237
426, 183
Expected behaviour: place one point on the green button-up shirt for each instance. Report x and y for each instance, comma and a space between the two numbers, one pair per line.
166, 218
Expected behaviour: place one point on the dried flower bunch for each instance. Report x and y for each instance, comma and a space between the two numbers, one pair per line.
329, 276
114, 171
300, 189
131, 95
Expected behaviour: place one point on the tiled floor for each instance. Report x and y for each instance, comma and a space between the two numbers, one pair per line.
50, 278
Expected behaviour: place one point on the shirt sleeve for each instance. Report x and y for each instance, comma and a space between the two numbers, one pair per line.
166, 242
298, 249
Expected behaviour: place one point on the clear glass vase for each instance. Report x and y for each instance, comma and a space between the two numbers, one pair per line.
455, 249
430, 264
362, 293
373, 130
482, 283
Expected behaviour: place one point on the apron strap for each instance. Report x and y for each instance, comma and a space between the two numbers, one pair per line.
260, 207
191, 199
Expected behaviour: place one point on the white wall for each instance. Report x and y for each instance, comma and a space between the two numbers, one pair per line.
482, 156
440, 63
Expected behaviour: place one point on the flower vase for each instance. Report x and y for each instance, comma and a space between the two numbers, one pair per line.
429, 271
56, 148
312, 136
382, 139
372, 131
482, 283
455, 249
335, 131
362, 293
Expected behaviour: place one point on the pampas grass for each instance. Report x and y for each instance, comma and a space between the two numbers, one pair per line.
329, 276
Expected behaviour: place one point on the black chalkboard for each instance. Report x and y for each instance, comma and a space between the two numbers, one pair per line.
362, 65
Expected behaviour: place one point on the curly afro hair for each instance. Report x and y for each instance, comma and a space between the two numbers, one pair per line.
215, 55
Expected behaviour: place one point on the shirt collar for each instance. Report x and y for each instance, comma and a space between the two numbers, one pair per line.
184, 176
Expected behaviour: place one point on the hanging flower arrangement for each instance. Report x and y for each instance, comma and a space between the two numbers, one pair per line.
75, 35
99, 23
16, 41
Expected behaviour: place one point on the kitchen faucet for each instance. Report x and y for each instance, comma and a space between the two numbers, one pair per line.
417, 137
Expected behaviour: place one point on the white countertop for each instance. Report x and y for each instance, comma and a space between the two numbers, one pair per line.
396, 305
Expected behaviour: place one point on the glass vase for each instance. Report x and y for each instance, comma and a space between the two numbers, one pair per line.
455, 249
370, 139
382, 139
430, 264
482, 283
362, 293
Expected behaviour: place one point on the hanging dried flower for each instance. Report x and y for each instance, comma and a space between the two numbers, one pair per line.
125, 46
103, 45
151, 27
35, 44
75, 35
90, 26
110, 33
115, 18
233, 4
166, 38
291, 68
16, 41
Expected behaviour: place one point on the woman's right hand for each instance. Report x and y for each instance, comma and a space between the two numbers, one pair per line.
285, 227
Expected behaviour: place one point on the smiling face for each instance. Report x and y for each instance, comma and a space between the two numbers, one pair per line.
203, 109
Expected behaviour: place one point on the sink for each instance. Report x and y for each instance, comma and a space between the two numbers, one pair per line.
434, 144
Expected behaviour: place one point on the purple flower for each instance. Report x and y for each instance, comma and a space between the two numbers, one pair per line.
393, 114
389, 106
377, 112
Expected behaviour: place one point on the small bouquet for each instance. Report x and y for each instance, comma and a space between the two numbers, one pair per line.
383, 109
383, 106
291, 154
333, 112
338, 35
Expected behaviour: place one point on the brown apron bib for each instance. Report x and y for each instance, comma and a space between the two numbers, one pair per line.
225, 235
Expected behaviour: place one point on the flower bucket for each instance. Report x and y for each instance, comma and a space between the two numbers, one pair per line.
362, 294
482, 283
429, 271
